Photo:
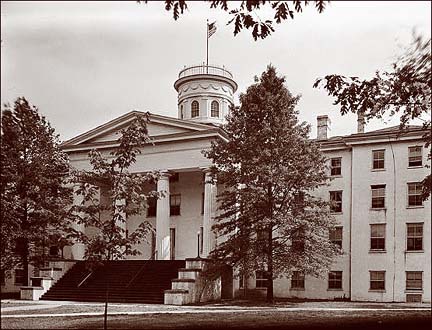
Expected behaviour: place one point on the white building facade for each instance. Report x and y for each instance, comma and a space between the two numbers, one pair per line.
384, 227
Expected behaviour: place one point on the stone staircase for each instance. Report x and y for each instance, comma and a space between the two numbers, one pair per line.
137, 281
191, 287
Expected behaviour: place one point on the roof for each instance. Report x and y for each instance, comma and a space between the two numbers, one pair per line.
161, 129
409, 132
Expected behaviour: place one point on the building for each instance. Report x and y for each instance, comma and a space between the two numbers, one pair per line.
384, 226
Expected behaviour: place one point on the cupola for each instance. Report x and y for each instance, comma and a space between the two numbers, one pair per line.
205, 93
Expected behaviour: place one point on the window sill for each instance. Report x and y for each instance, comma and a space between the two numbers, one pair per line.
336, 213
414, 167
297, 289
377, 290
415, 207
378, 169
335, 289
414, 251
414, 290
336, 176
377, 251
378, 209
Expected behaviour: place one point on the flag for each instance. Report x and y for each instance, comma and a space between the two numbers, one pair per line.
211, 28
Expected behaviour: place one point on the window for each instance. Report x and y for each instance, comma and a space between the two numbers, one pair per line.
19, 276
336, 166
153, 245
335, 236
261, 279
298, 241
378, 159
172, 243
299, 198
414, 156
151, 206
175, 201
202, 203
201, 239
54, 251
377, 280
377, 238
378, 196
262, 236
214, 109
335, 280
414, 280
415, 194
241, 281
195, 109
336, 201
181, 112
414, 237
297, 280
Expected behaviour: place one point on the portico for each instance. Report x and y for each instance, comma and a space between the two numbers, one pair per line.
175, 223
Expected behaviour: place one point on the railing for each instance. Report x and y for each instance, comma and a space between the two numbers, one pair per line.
85, 279
205, 69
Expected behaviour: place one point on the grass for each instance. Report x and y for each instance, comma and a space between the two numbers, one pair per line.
270, 319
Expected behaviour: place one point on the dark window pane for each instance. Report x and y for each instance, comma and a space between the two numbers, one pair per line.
336, 201
415, 156
151, 206
335, 280
336, 164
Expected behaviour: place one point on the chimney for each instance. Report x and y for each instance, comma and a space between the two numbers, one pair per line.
360, 122
323, 127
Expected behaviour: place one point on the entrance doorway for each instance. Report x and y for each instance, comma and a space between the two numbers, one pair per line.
172, 243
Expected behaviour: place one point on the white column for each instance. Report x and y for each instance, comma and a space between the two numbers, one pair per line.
122, 213
78, 249
163, 219
210, 192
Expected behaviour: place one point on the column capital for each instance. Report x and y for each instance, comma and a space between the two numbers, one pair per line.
206, 169
164, 175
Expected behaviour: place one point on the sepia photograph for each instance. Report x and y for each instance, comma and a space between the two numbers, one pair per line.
216, 164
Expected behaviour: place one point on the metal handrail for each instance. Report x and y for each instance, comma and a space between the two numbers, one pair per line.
85, 279
136, 275
141, 269
205, 69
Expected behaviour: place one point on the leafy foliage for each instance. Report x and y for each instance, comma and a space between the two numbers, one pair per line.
33, 191
269, 213
404, 90
246, 14
109, 194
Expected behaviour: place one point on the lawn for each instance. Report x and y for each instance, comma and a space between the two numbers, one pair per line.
270, 319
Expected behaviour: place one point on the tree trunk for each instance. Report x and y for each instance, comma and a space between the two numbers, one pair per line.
106, 297
25, 261
270, 267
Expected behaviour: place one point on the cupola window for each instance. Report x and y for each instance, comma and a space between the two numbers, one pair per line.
215, 109
195, 109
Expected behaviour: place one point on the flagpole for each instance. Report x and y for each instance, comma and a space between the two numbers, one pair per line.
207, 46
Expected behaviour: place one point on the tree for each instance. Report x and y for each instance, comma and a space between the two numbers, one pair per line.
33, 191
110, 193
404, 90
245, 15
268, 212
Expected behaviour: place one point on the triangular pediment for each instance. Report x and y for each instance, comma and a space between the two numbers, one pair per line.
158, 126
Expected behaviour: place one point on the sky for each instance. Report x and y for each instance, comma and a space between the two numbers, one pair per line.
85, 63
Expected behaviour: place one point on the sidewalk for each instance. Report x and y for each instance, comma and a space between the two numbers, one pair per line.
228, 315
18, 308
